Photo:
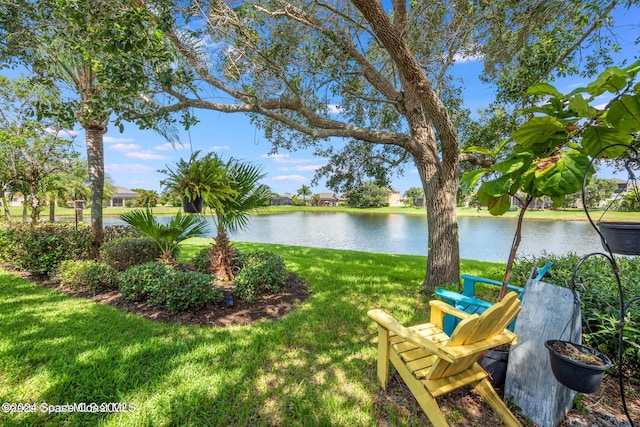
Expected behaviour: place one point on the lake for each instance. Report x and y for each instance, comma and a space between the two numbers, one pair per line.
480, 238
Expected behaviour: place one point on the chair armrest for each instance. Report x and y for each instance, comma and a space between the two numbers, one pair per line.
440, 308
389, 323
469, 283
457, 298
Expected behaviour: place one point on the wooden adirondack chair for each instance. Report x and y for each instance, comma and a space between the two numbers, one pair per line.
431, 363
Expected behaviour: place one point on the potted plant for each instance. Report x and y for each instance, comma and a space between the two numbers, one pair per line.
199, 181
578, 367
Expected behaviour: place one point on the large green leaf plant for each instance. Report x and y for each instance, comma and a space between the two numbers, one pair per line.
549, 154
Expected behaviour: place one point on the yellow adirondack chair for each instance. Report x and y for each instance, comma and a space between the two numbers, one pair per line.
431, 363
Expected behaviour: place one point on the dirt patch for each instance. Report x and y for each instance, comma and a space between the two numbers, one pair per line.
267, 305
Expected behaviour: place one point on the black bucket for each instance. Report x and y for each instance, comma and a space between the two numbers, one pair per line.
495, 363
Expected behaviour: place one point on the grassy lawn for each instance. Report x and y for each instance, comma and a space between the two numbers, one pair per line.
549, 215
315, 366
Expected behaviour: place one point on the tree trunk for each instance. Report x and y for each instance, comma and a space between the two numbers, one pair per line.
5, 206
52, 209
221, 256
95, 160
443, 262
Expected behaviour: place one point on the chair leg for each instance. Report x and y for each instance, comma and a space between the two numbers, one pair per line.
383, 357
489, 395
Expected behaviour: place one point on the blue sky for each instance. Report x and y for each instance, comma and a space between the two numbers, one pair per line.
132, 158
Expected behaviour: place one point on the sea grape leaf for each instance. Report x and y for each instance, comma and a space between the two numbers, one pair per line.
470, 179
537, 130
561, 173
613, 79
543, 89
624, 113
597, 138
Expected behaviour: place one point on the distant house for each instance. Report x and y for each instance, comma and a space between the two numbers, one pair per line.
120, 196
395, 198
284, 200
330, 199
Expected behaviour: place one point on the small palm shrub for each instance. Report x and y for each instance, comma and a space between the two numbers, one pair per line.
262, 271
40, 249
86, 275
159, 284
124, 252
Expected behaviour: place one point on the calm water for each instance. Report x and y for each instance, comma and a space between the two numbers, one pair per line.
480, 238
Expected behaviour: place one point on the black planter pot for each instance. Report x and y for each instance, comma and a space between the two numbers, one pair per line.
622, 237
495, 363
578, 376
193, 206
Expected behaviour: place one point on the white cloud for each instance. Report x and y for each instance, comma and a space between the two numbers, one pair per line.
112, 140
115, 169
300, 168
62, 133
335, 109
124, 147
462, 57
219, 148
167, 146
289, 178
285, 159
145, 155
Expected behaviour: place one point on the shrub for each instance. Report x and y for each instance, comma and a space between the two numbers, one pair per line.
201, 262
600, 300
262, 271
40, 249
86, 275
124, 252
158, 284
139, 282
112, 232
180, 291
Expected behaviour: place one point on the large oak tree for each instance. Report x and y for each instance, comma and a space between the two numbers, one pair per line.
376, 74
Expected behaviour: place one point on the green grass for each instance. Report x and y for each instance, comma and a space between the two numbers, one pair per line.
543, 215
315, 366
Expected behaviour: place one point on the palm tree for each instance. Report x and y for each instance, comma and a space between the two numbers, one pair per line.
232, 215
167, 236
304, 191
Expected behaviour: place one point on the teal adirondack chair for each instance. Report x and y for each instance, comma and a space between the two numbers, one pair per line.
468, 302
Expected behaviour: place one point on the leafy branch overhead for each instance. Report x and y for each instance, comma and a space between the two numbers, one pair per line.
549, 154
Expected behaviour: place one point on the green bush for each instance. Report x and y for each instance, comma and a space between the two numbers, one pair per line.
262, 271
112, 232
125, 252
201, 262
600, 300
158, 284
181, 291
40, 249
86, 275
139, 282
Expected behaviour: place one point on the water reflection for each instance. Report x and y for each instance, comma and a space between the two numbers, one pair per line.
480, 238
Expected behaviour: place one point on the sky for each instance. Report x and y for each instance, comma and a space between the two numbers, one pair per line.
133, 158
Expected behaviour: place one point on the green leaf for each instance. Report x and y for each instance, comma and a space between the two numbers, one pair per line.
624, 114
543, 89
561, 174
497, 187
581, 107
596, 138
513, 164
500, 205
613, 79
538, 130
479, 150
470, 179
